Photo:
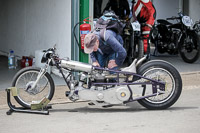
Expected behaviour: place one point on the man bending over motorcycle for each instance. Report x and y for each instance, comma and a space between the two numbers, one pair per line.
145, 13
110, 50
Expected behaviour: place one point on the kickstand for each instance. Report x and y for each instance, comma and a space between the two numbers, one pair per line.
44, 111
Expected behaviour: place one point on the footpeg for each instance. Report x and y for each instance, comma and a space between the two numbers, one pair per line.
107, 106
91, 104
67, 93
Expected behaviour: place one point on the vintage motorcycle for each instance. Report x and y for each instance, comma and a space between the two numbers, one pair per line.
133, 41
155, 84
176, 38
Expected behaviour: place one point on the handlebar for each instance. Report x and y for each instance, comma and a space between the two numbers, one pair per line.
197, 23
197, 26
173, 18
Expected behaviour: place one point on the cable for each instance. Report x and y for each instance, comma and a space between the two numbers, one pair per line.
79, 46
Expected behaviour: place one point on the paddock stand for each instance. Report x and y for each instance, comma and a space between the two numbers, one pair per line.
36, 108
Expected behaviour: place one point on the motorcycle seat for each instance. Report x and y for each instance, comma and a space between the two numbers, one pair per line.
163, 21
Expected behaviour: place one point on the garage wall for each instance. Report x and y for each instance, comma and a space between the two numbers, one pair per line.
29, 25
104, 3
194, 6
166, 8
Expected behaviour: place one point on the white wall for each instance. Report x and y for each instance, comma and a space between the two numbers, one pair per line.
166, 8
29, 25
194, 12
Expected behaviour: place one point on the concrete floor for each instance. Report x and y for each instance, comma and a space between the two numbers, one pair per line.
79, 117
6, 75
180, 65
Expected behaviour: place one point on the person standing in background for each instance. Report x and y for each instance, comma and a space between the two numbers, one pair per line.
120, 7
145, 13
97, 8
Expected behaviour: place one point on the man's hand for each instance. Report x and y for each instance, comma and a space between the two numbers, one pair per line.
96, 64
126, 17
112, 64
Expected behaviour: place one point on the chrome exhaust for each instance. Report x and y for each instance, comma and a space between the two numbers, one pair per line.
75, 65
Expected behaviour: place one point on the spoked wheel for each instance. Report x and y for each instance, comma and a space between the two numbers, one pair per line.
24, 81
189, 47
165, 72
139, 49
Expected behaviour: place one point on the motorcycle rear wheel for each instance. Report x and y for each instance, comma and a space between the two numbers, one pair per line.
23, 81
189, 47
162, 71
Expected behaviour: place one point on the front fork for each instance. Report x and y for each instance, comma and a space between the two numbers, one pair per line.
41, 74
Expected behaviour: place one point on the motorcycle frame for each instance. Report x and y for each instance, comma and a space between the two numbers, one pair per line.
157, 86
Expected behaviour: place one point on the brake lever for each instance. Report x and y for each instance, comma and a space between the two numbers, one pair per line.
54, 47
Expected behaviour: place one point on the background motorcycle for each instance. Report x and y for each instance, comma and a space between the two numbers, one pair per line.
176, 38
155, 85
133, 41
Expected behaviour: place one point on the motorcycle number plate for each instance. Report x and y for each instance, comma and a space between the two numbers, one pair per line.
136, 26
187, 21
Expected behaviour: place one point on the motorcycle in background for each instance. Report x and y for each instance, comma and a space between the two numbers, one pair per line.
174, 38
133, 41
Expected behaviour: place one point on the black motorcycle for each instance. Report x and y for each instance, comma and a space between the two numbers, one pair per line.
175, 38
133, 41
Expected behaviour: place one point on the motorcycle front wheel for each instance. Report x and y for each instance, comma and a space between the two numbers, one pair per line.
164, 72
136, 49
24, 81
189, 47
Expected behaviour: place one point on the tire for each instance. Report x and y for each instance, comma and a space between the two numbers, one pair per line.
24, 79
167, 74
189, 48
136, 48
140, 50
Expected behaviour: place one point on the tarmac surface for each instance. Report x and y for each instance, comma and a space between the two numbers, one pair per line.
182, 117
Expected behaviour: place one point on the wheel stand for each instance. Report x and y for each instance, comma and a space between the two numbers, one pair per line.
43, 110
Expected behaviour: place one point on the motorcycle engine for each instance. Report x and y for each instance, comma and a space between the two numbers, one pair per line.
109, 94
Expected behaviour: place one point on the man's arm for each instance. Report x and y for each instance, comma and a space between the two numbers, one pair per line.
94, 60
152, 14
116, 46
